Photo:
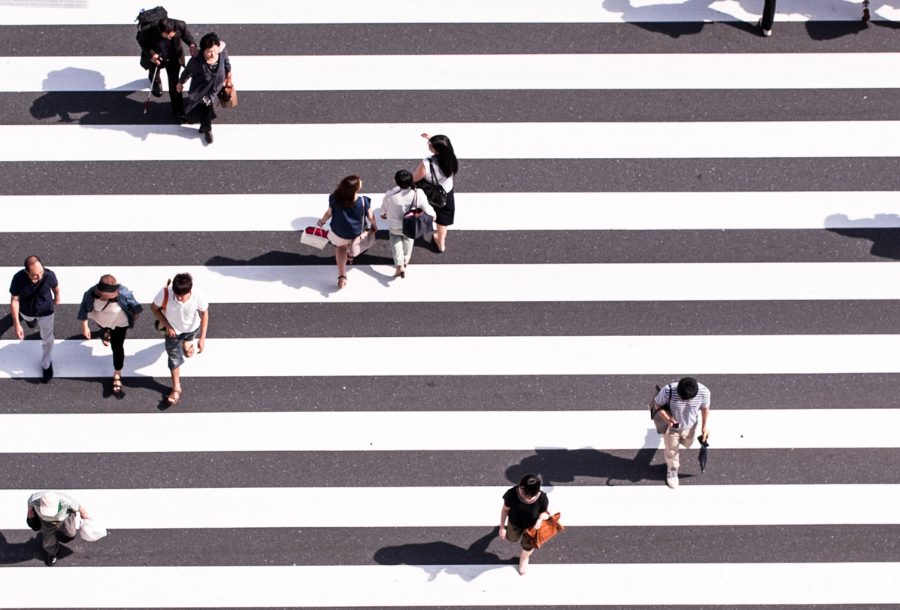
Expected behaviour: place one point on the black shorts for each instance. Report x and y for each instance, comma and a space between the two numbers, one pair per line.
444, 216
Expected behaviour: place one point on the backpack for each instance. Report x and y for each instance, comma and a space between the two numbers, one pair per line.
149, 19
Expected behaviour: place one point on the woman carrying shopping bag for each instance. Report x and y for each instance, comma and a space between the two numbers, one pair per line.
114, 309
525, 505
438, 170
399, 202
209, 73
348, 213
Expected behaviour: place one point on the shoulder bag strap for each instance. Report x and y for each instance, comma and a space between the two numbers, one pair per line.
431, 164
415, 202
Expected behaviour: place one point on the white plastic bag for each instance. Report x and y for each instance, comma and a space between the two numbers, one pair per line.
90, 531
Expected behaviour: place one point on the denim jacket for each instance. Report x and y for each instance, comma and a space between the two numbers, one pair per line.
126, 302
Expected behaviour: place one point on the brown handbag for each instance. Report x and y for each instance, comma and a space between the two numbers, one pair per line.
228, 96
550, 528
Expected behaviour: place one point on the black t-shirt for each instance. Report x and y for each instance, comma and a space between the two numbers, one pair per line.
524, 515
35, 299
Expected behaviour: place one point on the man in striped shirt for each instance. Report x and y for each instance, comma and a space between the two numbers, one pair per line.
688, 403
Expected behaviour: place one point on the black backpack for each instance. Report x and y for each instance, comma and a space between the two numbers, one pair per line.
149, 19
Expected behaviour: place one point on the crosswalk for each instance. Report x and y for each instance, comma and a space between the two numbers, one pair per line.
648, 189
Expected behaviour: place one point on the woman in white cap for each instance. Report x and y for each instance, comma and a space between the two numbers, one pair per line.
113, 308
56, 511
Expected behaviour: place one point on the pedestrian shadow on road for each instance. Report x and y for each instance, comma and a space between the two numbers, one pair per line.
442, 557
314, 271
555, 466
104, 109
24, 547
883, 230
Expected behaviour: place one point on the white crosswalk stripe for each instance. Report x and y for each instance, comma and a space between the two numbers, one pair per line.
484, 141
292, 465
470, 72
488, 211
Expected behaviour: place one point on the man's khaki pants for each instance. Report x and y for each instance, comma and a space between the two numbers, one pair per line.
672, 439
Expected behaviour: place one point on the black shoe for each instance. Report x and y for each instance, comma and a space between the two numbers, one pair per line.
156, 90
209, 137
48, 375
50, 560
182, 118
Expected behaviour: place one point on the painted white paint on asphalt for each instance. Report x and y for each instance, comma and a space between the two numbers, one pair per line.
543, 283
415, 430
526, 355
599, 505
621, 71
87, 12
605, 211
678, 140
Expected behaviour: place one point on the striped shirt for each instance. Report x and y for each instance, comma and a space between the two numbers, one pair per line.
684, 411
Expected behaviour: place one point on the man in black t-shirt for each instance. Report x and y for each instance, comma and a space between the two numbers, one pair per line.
162, 48
35, 293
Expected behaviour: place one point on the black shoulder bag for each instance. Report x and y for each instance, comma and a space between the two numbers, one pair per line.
436, 194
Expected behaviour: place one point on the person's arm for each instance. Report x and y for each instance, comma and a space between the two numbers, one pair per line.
664, 395
187, 74
385, 206
14, 312
503, 514
187, 38
204, 323
420, 172
156, 311
324, 219
56, 297
227, 67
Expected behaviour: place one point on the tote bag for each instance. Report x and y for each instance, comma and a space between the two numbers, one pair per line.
416, 222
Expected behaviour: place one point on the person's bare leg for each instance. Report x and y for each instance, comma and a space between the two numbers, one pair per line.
176, 386
523, 560
340, 255
440, 237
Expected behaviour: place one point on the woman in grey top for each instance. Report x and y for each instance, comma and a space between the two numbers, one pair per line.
398, 202
209, 72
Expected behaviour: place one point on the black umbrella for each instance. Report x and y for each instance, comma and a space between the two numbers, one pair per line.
704, 452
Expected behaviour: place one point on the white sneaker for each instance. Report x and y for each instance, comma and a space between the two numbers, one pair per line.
672, 478
765, 32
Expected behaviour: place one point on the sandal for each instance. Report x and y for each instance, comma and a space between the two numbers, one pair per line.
342, 281
174, 397
117, 385
104, 336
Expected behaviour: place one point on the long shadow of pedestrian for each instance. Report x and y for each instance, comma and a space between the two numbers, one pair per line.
99, 108
883, 230
319, 269
25, 547
556, 466
442, 557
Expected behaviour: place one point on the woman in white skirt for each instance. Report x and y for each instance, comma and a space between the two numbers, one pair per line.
398, 202
347, 211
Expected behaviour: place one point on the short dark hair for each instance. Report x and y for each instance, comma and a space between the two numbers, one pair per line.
182, 284
31, 260
209, 40
403, 179
530, 484
687, 388
166, 25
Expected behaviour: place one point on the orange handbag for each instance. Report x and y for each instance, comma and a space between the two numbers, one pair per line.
550, 528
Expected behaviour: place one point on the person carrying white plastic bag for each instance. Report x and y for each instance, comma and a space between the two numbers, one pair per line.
90, 530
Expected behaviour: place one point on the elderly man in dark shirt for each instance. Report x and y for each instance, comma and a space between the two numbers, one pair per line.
163, 47
34, 293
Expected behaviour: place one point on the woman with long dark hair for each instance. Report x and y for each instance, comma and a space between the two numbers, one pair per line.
347, 212
440, 168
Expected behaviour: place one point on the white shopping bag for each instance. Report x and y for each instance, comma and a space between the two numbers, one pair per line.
90, 531
317, 238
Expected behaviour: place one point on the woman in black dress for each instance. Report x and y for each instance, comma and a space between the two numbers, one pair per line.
443, 161
525, 506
